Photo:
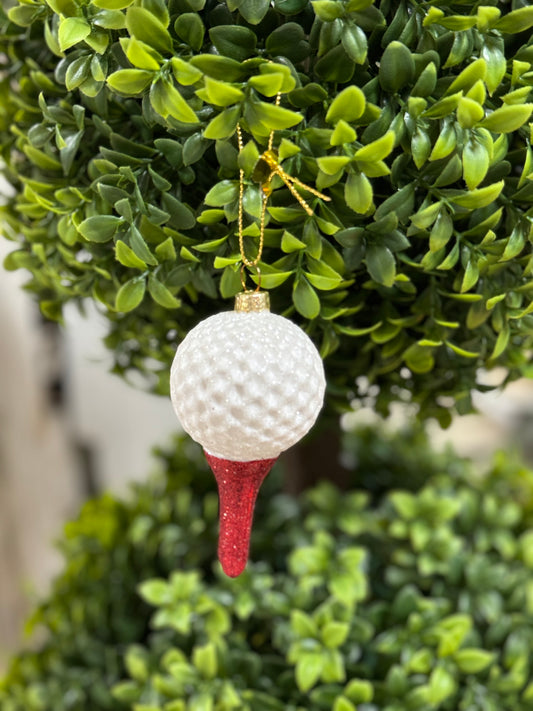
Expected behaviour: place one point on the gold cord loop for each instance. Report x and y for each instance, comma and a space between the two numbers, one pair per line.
270, 158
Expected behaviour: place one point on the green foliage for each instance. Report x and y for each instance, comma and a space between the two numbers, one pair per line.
412, 599
117, 129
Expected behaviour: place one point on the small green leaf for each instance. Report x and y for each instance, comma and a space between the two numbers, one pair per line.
507, 118
140, 247
308, 670
396, 68
130, 294
307, 303
472, 661
220, 93
476, 161
222, 193
253, 11
233, 41
184, 72
377, 150
276, 117
190, 28
166, 100
332, 164
156, 591
334, 634
380, 263
160, 294
140, 54
223, 125
348, 105
99, 228
127, 256
71, 31
516, 21
205, 660
480, 197
147, 28
358, 193
130, 81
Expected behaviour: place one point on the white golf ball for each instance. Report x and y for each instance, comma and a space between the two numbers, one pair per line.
247, 386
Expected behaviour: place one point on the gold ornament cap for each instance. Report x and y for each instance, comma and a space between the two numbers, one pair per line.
248, 301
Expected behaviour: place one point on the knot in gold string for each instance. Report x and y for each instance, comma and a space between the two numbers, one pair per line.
273, 168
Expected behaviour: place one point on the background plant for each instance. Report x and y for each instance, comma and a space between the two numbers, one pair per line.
422, 600
117, 126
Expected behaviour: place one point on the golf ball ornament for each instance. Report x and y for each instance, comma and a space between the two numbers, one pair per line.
246, 384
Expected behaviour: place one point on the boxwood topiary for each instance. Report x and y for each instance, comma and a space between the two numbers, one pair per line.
117, 129
421, 601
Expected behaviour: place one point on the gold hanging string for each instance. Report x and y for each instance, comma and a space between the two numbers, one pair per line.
270, 158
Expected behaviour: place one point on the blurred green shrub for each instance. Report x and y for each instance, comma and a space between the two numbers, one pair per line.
117, 130
423, 600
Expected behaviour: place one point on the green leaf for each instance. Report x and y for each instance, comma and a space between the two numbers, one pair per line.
157, 591
343, 133
140, 54
233, 41
441, 231
160, 294
396, 67
445, 143
334, 634
222, 193
469, 112
480, 197
99, 228
348, 105
205, 660
166, 100
420, 147
476, 161
130, 81
276, 117
343, 704
358, 193
166, 251
290, 243
223, 125
507, 118
332, 164
377, 150
127, 256
253, 11
303, 624
140, 247
441, 685
184, 72
360, 691
130, 294
471, 275
516, 21
469, 76
190, 28
308, 670
218, 67
147, 28
220, 93
336, 66
71, 31
306, 302
380, 263
471, 660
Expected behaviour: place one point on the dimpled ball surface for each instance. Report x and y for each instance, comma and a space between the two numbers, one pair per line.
247, 386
